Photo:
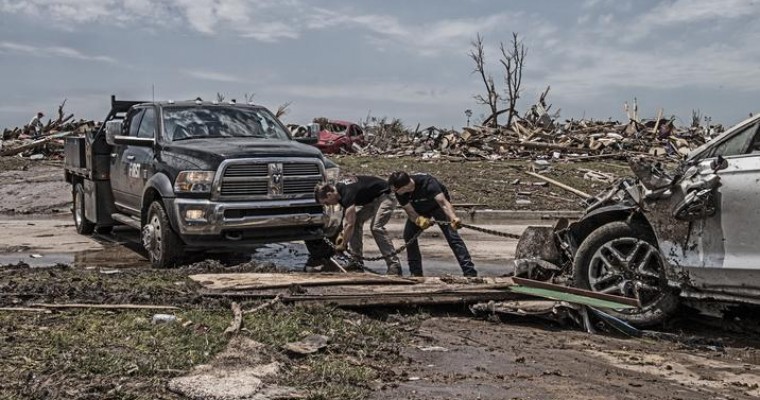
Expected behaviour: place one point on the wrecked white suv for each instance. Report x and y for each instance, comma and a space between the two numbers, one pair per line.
693, 232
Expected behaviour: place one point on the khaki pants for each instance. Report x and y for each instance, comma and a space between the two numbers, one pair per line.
379, 212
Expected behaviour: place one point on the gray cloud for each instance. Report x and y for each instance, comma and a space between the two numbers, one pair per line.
51, 51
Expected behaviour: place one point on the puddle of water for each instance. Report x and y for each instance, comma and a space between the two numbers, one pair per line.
121, 251
114, 256
293, 256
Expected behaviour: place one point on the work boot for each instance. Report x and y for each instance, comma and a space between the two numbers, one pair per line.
355, 265
314, 264
331, 265
394, 269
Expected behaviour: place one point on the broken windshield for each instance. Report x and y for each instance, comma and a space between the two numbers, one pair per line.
198, 122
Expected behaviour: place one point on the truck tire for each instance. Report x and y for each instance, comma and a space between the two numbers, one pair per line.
84, 227
624, 260
163, 245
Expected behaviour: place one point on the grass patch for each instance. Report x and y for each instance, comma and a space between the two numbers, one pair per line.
360, 351
121, 355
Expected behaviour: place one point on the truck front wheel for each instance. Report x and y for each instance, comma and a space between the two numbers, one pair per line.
163, 245
84, 227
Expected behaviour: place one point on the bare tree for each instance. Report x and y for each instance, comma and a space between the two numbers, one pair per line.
219, 97
282, 110
492, 97
512, 60
249, 97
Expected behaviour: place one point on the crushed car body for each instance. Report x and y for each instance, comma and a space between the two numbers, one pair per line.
339, 136
691, 231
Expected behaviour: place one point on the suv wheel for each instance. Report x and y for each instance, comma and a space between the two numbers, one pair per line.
163, 245
84, 227
624, 260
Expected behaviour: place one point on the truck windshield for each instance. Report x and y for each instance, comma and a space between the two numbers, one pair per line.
199, 122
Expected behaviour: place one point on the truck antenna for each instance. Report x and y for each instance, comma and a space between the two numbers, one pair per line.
153, 92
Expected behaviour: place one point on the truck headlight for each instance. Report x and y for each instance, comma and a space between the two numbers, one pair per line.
331, 174
194, 181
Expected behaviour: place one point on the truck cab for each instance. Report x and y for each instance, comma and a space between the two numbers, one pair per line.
197, 176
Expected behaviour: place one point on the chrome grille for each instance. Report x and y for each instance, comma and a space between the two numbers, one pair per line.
245, 188
247, 170
271, 179
300, 169
301, 185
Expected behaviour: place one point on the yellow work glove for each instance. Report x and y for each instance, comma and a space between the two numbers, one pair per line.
423, 222
340, 243
456, 223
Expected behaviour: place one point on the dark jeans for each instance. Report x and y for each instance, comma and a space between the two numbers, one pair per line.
455, 242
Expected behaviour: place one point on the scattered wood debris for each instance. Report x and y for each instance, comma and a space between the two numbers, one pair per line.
539, 134
48, 142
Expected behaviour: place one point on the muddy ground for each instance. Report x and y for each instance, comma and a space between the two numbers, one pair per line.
415, 353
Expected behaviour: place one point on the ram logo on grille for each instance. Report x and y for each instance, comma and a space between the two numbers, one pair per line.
275, 178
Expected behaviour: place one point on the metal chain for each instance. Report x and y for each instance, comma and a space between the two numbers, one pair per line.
396, 252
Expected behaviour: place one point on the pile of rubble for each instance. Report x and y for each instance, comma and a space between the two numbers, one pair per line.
573, 139
538, 134
45, 142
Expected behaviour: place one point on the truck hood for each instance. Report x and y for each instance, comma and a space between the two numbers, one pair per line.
216, 150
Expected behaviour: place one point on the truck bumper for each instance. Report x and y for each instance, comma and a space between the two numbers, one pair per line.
195, 218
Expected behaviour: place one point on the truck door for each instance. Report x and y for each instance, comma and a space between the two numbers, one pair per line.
143, 159
123, 167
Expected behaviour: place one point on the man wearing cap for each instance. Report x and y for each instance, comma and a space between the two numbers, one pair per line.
363, 198
424, 197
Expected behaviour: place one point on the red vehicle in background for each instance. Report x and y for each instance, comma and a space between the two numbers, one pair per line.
339, 136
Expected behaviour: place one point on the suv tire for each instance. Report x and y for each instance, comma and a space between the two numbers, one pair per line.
625, 259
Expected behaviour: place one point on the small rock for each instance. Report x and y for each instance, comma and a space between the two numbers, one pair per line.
308, 345
163, 319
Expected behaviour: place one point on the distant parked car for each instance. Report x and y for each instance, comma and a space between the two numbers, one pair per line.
339, 136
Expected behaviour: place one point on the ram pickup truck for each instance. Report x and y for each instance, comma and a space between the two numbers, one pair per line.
197, 176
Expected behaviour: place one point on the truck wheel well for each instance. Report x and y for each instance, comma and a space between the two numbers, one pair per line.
149, 197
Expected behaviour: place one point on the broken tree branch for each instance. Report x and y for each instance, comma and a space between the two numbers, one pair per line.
264, 306
559, 184
237, 319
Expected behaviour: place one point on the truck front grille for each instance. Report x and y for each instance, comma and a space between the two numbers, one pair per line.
270, 179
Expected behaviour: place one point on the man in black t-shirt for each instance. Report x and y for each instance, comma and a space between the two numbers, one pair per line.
424, 197
363, 198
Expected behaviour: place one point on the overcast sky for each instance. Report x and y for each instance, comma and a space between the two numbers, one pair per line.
407, 59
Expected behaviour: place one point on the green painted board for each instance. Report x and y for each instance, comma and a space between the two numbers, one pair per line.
568, 297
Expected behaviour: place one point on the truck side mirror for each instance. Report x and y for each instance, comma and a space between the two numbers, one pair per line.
113, 129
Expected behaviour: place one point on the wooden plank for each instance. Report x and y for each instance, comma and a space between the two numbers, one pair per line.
249, 281
568, 297
105, 306
25, 309
264, 281
402, 299
559, 184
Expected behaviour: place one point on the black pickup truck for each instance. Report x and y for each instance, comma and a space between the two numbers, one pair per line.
197, 176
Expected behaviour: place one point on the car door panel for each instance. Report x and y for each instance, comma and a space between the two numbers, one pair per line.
122, 166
